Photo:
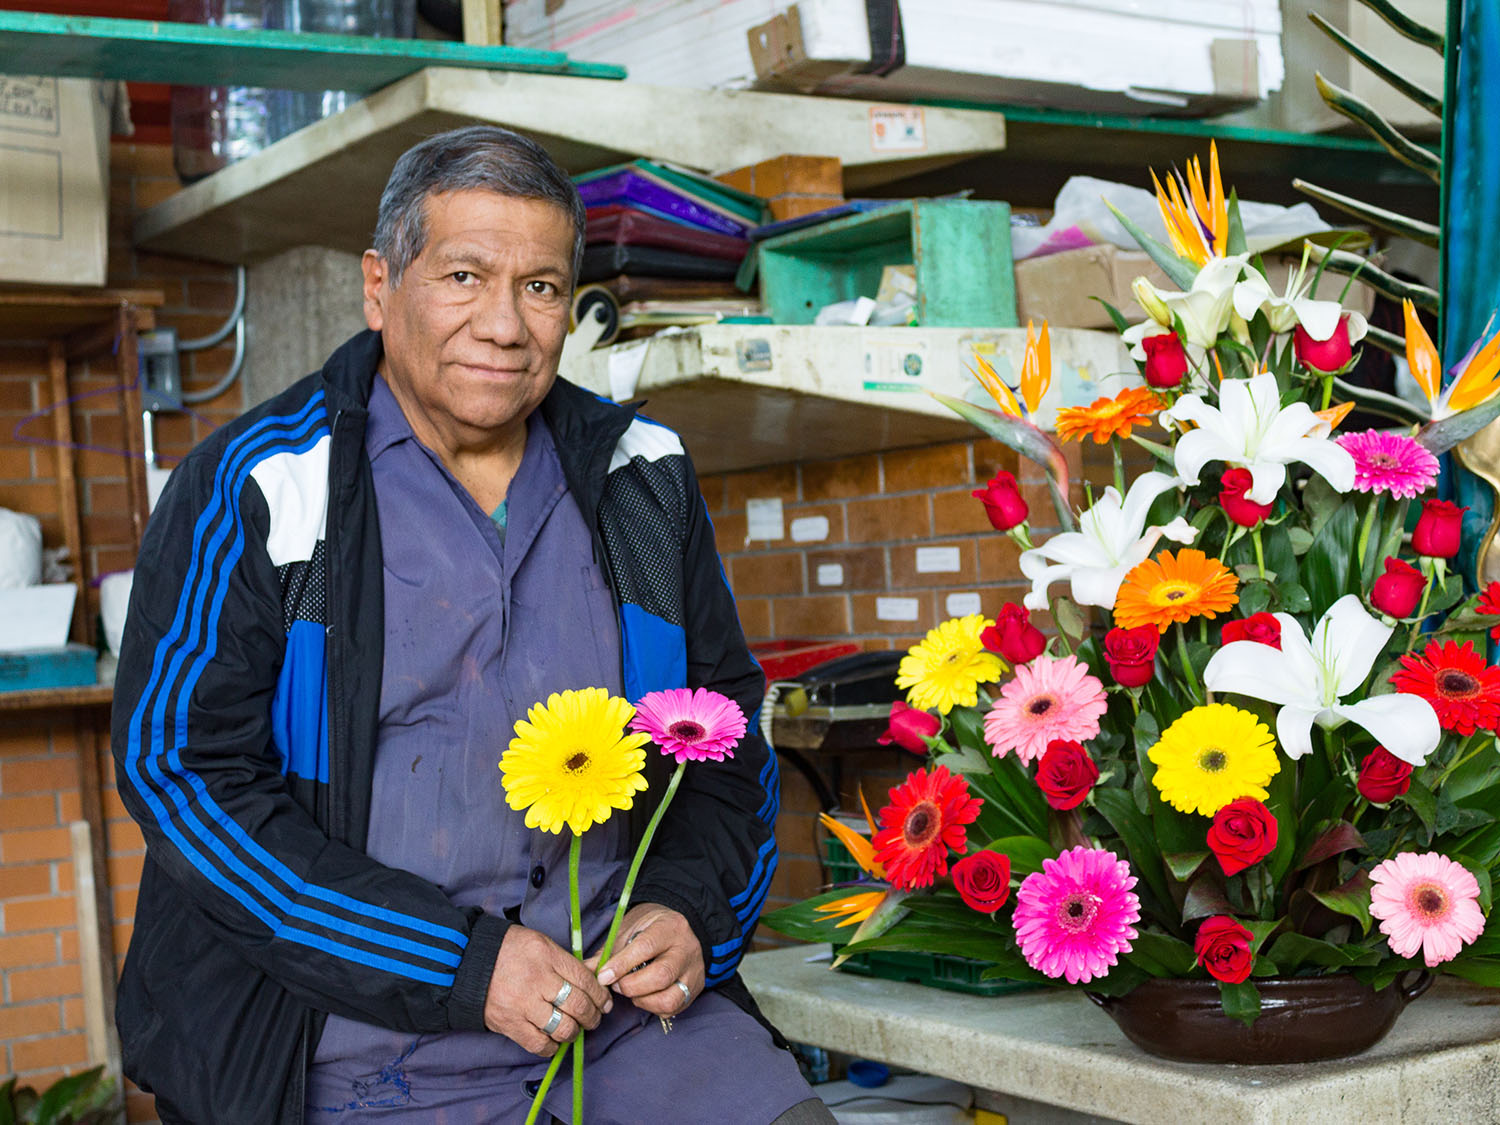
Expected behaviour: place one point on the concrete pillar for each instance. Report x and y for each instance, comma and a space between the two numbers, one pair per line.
301, 305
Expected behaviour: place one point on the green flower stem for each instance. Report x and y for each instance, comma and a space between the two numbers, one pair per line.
1021, 536
1459, 758
1260, 554
1114, 448
1327, 391
635, 865
1187, 665
1371, 514
575, 849
1062, 634
1416, 626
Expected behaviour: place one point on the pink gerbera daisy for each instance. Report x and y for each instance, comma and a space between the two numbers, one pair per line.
1392, 463
1050, 698
1073, 917
1426, 902
694, 724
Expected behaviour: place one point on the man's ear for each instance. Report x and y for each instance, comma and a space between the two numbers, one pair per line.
376, 287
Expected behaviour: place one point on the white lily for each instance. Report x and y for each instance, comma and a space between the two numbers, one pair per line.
1309, 678
1283, 313
1112, 538
1250, 429
1204, 309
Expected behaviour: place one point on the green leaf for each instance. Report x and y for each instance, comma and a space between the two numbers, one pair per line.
892, 909
1160, 955
1255, 596
1134, 828
914, 936
1301, 539
1321, 501
1441, 436
1024, 852
1422, 801
1351, 899
1292, 950
1180, 271
1234, 243
1116, 317
1292, 598
1240, 1001
1480, 970
802, 921
1205, 898
1183, 864
1481, 875
1337, 838
1325, 568
1069, 618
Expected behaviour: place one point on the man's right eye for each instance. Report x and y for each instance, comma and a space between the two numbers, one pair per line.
463, 277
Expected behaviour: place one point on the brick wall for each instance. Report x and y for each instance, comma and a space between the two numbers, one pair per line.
41, 1010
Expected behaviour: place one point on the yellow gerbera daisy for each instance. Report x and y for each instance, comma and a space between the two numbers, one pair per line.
1175, 588
946, 668
1211, 756
571, 761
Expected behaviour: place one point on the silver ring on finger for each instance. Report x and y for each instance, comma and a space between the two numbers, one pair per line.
553, 1023
562, 994
687, 993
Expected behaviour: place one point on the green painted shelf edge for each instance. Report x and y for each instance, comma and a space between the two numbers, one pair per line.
195, 55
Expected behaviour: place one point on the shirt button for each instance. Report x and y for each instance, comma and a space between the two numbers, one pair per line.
538, 874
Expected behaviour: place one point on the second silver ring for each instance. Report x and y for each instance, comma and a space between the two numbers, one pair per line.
562, 994
553, 1023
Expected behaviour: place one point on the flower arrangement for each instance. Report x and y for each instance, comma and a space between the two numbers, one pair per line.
1272, 752
579, 757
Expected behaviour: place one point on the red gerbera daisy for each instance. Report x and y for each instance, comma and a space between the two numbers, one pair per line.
925, 818
1489, 606
1462, 688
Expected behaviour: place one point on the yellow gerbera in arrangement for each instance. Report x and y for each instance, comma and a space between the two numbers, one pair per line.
571, 762
1175, 588
1108, 418
944, 670
1212, 755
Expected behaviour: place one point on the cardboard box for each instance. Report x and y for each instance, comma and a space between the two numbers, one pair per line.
54, 180
1060, 288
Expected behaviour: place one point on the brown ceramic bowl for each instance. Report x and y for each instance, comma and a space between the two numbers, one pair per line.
1301, 1018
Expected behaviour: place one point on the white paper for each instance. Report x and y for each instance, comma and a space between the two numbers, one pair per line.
938, 560
625, 363
763, 520
830, 574
809, 529
156, 480
36, 616
961, 605
897, 609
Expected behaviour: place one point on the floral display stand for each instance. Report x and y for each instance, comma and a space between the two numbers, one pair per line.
1053, 1047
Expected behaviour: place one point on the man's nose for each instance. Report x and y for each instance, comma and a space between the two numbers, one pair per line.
497, 319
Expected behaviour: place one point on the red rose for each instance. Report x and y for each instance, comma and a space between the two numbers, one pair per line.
1232, 488
1002, 502
1243, 833
909, 728
1166, 360
1065, 774
1131, 654
1013, 635
1383, 777
1398, 591
1262, 628
983, 881
1223, 948
1437, 530
1324, 355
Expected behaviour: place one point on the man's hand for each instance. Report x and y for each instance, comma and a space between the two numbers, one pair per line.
529, 973
656, 950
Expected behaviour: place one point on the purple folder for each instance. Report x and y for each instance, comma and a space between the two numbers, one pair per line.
629, 187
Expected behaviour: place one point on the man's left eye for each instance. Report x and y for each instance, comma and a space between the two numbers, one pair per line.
463, 277
544, 288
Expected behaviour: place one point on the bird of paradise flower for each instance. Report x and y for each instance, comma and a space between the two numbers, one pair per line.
1195, 212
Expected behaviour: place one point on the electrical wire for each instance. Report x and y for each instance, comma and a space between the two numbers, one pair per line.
217, 336
193, 398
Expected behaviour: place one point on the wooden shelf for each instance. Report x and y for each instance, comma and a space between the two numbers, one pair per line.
196, 55
33, 313
44, 699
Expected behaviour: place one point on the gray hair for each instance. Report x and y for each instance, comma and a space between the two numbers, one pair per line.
486, 157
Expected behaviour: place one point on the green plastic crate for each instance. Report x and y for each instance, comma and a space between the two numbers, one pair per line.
937, 970
960, 248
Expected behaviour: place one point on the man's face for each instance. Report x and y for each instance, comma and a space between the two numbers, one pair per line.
474, 330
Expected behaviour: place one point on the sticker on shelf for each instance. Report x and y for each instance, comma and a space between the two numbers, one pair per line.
898, 128
809, 529
830, 574
895, 363
938, 560
763, 520
961, 605
897, 609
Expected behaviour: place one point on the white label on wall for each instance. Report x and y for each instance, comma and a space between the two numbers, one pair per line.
897, 609
938, 560
763, 520
961, 605
830, 574
809, 529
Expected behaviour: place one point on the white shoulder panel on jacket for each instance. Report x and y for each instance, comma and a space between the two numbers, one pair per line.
646, 440
295, 486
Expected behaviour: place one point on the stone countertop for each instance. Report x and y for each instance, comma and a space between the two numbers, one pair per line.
1438, 1065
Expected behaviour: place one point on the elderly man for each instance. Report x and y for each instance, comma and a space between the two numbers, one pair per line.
345, 600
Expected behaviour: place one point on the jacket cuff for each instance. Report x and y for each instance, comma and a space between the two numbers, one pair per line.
471, 983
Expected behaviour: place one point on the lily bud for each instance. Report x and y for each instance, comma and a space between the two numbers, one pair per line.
1151, 304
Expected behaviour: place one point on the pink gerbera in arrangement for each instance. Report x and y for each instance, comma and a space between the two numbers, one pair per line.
1076, 915
691, 724
1426, 902
1390, 463
1052, 698
923, 822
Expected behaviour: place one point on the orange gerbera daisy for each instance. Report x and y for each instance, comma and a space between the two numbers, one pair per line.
1167, 589
1108, 417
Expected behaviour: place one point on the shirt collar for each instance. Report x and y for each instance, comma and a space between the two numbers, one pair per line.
386, 425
